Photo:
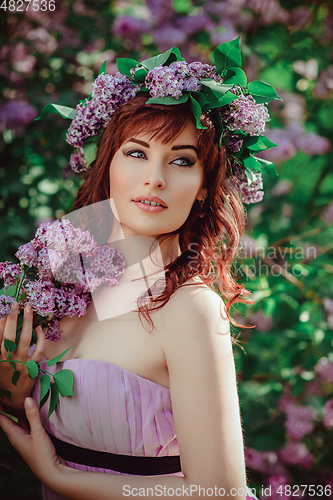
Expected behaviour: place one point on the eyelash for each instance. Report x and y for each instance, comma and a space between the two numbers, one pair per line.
190, 163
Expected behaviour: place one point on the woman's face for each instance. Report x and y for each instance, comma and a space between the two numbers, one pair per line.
154, 185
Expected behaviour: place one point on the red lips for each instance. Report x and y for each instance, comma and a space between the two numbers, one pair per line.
151, 198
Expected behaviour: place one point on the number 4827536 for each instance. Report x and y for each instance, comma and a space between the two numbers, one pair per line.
24, 5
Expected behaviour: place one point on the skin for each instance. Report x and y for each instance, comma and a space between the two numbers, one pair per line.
192, 356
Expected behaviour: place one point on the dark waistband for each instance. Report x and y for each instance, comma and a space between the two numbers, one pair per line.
141, 466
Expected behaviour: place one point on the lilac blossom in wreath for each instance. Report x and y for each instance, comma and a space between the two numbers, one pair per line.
246, 115
161, 81
5, 303
109, 93
252, 193
77, 161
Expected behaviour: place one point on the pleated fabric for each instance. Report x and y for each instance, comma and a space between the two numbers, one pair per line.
112, 410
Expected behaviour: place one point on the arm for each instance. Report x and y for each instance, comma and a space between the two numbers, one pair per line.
203, 386
205, 404
25, 384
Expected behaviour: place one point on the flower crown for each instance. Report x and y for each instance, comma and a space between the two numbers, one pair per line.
235, 107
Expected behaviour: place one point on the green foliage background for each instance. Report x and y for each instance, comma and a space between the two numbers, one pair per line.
287, 255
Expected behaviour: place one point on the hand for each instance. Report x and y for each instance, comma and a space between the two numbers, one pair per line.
25, 384
35, 446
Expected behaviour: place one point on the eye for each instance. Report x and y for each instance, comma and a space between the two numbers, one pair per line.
183, 162
136, 154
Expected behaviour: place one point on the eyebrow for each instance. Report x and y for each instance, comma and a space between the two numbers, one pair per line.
174, 148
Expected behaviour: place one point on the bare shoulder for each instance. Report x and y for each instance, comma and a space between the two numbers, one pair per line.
195, 308
194, 323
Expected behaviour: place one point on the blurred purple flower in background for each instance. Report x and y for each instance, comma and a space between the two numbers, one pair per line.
167, 32
128, 26
296, 454
16, 115
300, 17
160, 10
291, 139
327, 214
299, 421
328, 414
44, 42
324, 368
262, 323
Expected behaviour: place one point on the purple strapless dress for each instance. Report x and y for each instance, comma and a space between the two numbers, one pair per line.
112, 410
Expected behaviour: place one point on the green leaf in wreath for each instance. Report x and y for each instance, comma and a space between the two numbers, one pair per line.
55, 360
199, 96
252, 164
64, 111
227, 99
5, 394
15, 377
168, 57
262, 92
125, 65
33, 368
169, 100
215, 116
267, 167
227, 55
218, 88
259, 143
54, 398
90, 152
102, 69
64, 380
250, 176
197, 112
235, 76
10, 346
140, 75
45, 384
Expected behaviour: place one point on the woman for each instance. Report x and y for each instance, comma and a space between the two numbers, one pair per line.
162, 342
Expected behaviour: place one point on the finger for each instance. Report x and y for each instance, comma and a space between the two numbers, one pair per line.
2, 329
40, 346
26, 334
11, 325
33, 416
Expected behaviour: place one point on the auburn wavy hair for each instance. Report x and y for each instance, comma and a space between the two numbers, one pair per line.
210, 238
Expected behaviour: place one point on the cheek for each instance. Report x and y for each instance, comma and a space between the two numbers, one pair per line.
118, 182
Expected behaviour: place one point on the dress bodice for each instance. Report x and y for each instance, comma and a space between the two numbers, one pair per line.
112, 410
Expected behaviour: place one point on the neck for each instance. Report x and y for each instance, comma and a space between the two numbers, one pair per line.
137, 248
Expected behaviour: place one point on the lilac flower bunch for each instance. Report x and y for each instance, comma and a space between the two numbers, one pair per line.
252, 193
67, 266
169, 79
163, 81
246, 115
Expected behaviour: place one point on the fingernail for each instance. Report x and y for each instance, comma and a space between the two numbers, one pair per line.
28, 402
28, 308
13, 306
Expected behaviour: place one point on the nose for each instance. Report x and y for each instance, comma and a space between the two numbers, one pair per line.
154, 175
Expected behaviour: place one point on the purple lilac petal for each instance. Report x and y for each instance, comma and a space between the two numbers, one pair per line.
27, 255
5, 303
